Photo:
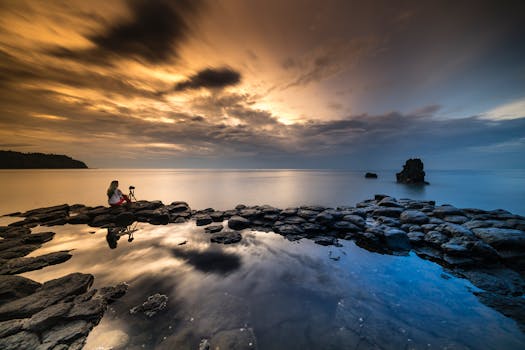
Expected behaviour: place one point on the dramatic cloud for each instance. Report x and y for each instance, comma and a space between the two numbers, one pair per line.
210, 78
269, 83
154, 31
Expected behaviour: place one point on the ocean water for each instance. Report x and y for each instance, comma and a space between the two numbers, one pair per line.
223, 189
266, 292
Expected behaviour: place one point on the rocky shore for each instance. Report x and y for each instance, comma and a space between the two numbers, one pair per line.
485, 247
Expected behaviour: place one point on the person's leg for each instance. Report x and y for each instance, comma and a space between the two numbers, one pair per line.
118, 203
126, 198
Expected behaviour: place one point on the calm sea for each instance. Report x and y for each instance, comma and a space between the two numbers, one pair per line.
223, 189
266, 292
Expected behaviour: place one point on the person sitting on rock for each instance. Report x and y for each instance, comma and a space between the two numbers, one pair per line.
115, 196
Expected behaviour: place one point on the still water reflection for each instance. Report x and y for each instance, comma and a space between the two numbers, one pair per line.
274, 294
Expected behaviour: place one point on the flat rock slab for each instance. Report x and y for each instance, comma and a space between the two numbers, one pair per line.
213, 228
501, 237
228, 237
20, 265
16, 287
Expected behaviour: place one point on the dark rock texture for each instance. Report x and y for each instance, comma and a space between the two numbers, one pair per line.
371, 175
58, 314
412, 172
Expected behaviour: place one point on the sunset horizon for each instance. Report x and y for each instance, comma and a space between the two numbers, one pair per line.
267, 84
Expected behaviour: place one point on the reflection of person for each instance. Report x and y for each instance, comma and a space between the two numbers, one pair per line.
114, 234
115, 196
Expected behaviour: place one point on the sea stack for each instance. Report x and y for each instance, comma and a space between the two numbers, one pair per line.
412, 172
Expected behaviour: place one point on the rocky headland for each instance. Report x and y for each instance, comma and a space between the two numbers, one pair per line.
487, 247
18, 160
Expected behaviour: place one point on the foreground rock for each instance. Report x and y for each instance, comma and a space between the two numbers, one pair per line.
412, 172
153, 305
58, 314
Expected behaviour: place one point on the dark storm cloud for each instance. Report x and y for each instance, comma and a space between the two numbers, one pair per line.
210, 78
153, 33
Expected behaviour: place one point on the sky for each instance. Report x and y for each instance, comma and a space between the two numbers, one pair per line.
345, 84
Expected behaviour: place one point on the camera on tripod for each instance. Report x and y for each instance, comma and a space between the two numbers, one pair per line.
132, 193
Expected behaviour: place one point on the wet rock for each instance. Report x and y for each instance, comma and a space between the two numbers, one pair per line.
101, 220
456, 219
13, 232
124, 219
79, 219
326, 241
153, 305
37, 238
110, 294
310, 228
240, 207
307, 214
435, 238
160, 217
324, 217
416, 237
389, 202
238, 223
293, 220
413, 217
10, 327
345, 226
20, 265
18, 251
396, 239
387, 211
213, 228
501, 238
48, 317
355, 219
201, 220
288, 229
178, 207
392, 222
226, 237
91, 310
217, 216
20, 341
66, 333
496, 280
50, 293
446, 210
289, 211
455, 230
249, 213
412, 172
16, 287
46, 210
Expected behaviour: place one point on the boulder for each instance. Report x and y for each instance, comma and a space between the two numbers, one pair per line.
226, 237
396, 239
48, 294
387, 211
214, 228
413, 217
101, 220
203, 219
79, 219
435, 238
501, 238
153, 305
238, 223
125, 219
412, 172
217, 216
159, 218
16, 287
355, 219
446, 210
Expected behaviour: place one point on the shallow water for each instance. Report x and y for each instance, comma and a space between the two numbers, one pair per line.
275, 294
222, 189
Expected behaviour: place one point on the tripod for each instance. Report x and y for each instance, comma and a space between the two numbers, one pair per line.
131, 194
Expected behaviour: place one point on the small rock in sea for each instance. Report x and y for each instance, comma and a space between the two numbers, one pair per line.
412, 172
203, 219
154, 304
371, 175
238, 223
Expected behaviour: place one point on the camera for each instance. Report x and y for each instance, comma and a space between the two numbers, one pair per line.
131, 187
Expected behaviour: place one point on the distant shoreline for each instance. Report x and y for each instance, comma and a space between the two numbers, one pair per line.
18, 160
